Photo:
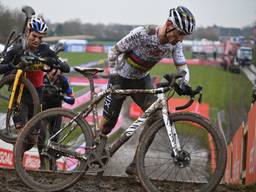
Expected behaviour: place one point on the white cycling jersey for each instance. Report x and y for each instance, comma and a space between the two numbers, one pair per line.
134, 55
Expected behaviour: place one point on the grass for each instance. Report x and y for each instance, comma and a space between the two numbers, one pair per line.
3, 100
82, 58
77, 88
221, 88
102, 42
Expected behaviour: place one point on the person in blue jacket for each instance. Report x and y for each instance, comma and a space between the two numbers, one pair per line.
56, 89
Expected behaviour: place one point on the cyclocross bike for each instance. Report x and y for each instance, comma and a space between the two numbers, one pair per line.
14, 85
181, 151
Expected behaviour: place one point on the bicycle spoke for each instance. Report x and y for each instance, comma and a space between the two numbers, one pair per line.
18, 110
194, 167
53, 162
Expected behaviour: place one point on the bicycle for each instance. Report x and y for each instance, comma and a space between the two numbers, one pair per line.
9, 85
15, 85
12, 88
162, 158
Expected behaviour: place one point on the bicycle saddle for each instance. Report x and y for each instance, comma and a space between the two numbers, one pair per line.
85, 70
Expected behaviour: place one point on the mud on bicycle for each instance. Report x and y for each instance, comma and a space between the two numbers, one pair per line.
13, 87
181, 150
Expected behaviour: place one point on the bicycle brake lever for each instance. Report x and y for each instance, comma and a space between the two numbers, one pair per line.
200, 98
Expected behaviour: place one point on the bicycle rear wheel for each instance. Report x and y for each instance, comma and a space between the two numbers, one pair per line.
199, 168
8, 131
68, 149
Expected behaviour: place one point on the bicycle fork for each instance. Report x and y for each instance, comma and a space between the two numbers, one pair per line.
18, 99
15, 84
170, 127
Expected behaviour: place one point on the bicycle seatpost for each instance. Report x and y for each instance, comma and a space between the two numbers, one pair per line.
92, 88
28, 11
94, 111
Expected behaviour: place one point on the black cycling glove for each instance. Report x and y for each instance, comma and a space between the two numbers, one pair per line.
183, 88
52, 62
5, 68
64, 67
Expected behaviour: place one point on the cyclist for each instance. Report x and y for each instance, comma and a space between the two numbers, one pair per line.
56, 88
35, 32
131, 59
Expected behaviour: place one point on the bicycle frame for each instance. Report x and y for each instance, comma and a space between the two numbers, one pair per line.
159, 104
19, 74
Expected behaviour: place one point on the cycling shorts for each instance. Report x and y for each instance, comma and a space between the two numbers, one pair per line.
113, 103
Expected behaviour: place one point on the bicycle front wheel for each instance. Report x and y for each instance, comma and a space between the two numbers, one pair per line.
8, 131
54, 158
202, 159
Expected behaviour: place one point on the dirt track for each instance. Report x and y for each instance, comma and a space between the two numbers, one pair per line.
9, 182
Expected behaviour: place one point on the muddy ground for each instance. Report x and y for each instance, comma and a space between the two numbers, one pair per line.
9, 182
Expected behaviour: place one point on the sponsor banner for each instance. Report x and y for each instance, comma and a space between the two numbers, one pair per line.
236, 163
202, 109
251, 147
74, 48
107, 48
192, 61
30, 160
228, 172
233, 174
94, 49
6, 158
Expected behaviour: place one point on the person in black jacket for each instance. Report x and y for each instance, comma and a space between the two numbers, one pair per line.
35, 33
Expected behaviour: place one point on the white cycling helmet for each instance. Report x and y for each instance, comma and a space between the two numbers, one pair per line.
37, 24
182, 19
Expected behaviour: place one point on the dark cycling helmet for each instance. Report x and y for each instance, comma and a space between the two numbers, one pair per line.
37, 24
182, 19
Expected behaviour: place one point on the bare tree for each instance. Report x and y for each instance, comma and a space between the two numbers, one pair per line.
9, 19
